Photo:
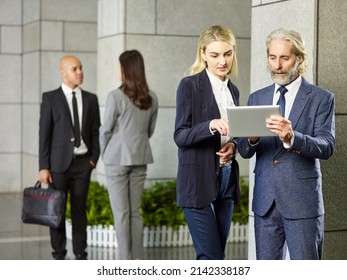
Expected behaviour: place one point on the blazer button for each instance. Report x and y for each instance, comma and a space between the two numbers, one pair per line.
72, 139
276, 162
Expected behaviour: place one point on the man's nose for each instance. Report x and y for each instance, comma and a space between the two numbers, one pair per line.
278, 64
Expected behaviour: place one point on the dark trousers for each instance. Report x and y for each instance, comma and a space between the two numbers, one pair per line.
210, 226
75, 183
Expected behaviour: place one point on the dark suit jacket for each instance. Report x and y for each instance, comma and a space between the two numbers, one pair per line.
56, 135
292, 177
198, 165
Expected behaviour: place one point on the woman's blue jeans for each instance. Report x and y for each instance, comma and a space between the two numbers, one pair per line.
210, 226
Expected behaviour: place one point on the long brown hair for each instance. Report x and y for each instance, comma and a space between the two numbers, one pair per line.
134, 83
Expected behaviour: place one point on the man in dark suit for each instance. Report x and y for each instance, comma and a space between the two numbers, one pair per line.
69, 150
287, 199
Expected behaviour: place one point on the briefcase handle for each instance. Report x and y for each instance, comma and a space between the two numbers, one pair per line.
38, 185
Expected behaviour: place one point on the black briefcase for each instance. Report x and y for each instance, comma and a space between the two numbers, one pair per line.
43, 206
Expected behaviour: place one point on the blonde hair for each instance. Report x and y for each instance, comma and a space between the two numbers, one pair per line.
210, 35
297, 42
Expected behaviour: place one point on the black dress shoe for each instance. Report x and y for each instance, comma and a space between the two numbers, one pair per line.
82, 256
58, 255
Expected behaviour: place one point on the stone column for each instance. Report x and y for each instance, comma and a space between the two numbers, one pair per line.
10, 95
331, 68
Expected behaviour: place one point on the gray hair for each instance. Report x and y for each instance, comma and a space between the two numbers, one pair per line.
297, 42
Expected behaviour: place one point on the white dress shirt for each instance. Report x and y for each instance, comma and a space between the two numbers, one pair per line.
293, 89
82, 149
223, 98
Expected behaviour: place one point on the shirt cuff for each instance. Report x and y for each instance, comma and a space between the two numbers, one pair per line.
212, 132
255, 144
291, 142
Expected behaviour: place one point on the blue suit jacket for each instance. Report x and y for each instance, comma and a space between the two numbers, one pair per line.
198, 165
292, 177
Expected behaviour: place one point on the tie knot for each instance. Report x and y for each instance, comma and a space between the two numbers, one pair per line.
282, 90
73, 93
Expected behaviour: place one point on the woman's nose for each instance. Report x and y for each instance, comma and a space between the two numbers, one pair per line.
223, 61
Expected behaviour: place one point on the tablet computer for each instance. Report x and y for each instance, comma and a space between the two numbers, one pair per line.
247, 121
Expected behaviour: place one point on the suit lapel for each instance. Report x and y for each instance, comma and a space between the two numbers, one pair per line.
233, 94
84, 111
268, 95
298, 107
205, 89
300, 102
65, 105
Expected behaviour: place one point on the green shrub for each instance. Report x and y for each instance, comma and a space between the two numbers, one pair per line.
240, 214
158, 206
98, 206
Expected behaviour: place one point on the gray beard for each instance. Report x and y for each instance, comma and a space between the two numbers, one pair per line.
288, 78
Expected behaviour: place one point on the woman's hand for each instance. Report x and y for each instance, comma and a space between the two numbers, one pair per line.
226, 152
220, 125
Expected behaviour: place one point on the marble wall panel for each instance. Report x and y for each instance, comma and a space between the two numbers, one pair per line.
67, 10
10, 12
31, 79
10, 78
10, 172
111, 17
80, 37
30, 131
141, 16
31, 10
31, 37
191, 17
11, 39
10, 128
52, 35
109, 50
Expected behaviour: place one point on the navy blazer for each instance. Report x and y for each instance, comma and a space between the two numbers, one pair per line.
198, 165
292, 177
56, 134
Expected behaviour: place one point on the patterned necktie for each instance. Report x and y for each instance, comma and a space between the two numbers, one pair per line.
76, 121
282, 101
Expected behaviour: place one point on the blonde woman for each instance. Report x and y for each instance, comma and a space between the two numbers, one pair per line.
208, 173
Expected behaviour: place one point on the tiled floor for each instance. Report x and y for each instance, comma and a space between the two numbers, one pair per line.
20, 241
